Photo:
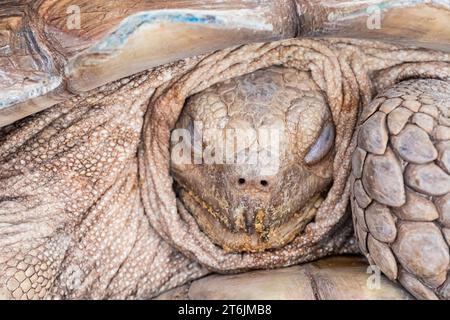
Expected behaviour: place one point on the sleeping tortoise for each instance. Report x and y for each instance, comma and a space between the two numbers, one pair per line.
133, 169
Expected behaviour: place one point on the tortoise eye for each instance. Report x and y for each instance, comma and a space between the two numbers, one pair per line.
322, 146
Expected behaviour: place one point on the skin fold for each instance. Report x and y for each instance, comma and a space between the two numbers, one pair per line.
88, 207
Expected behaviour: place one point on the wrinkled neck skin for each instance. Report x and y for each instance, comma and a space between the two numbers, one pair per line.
348, 74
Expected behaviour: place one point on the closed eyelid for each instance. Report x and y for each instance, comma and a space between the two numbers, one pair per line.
322, 145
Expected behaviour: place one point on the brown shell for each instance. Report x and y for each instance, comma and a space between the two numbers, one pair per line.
49, 52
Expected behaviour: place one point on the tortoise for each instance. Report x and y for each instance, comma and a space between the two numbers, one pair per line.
103, 193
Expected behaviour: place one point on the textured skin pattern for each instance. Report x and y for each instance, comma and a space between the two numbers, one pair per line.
87, 206
72, 223
401, 185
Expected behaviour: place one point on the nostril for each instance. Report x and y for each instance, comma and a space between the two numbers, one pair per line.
264, 183
241, 181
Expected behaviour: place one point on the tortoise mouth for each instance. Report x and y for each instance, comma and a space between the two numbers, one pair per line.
259, 237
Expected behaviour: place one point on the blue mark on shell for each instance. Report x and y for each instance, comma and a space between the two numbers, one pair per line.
132, 23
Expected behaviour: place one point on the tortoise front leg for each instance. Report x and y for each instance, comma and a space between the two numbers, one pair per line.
401, 185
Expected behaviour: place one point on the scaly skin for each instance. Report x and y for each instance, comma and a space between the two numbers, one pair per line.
87, 208
401, 185
72, 223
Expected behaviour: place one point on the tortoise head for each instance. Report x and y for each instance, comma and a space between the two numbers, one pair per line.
252, 156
